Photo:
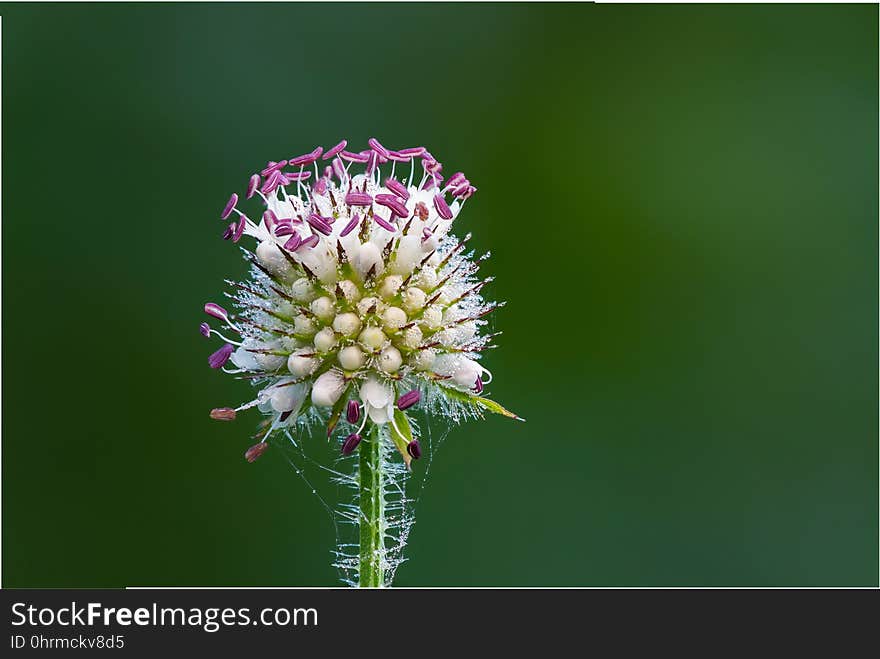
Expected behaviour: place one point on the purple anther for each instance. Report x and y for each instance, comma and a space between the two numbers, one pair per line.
223, 414
464, 191
282, 230
217, 359
352, 224
298, 176
253, 184
309, 242
358, 199
397, 188
338, 169
414, 449
351, 443
426, 234
394, 203
320, 224
216, 311
408, 399
205, 330
271, 183
306, 159
456, 179
255, 451
272, 167
332, 151
227, 209
372, 163
328, 172
353, 157
293, 242
384, 224
269, 219
230, 231
377, 147
397, 156
478, 386
353, 412
429, 183
442, 207
239, 229
413, 152
320, 186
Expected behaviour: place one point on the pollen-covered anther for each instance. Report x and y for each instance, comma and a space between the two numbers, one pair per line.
223, 414
255, 451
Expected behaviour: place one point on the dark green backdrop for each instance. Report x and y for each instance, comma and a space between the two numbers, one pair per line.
682, 206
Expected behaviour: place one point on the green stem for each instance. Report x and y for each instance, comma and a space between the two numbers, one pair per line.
372, 503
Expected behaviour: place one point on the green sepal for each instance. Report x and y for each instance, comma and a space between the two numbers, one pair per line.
337, 411
479, 402
404, 437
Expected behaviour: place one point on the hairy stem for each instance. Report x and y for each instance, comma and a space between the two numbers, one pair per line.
371, 573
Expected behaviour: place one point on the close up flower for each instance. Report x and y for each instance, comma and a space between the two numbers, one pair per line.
361, 305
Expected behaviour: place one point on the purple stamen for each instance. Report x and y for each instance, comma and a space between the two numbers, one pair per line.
230, 231
298, 176
351, 443
227, 209
394, 203
352, 223
353, 157
377, 147
413, 152
216, 311
306, 159
372, 163
397, 156
255, 451
271, 183
320, 224
353, 412
414, 449
358, 199
282, 230
273, 166
293, 242
338, 169
334, 150
384, 224
409, 399
311, 241
217, 359
269, 219
426, 234
239, 230
397, 188
320, 186
253, 184
442, 207
205, 330
478, 386
223, 414
455, 180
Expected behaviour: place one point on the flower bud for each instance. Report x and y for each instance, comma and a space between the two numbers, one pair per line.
414, 298
347, 324
325, 339
328, 388
304, 325
389, 286
372, 337
390, 359
301, 366
394, 318
323, 308
351, 358
301, 290
350, 444
414, 449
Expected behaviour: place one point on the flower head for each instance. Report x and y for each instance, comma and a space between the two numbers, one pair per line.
361, 304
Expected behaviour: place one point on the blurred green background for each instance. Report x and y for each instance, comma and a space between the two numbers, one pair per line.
682, 207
